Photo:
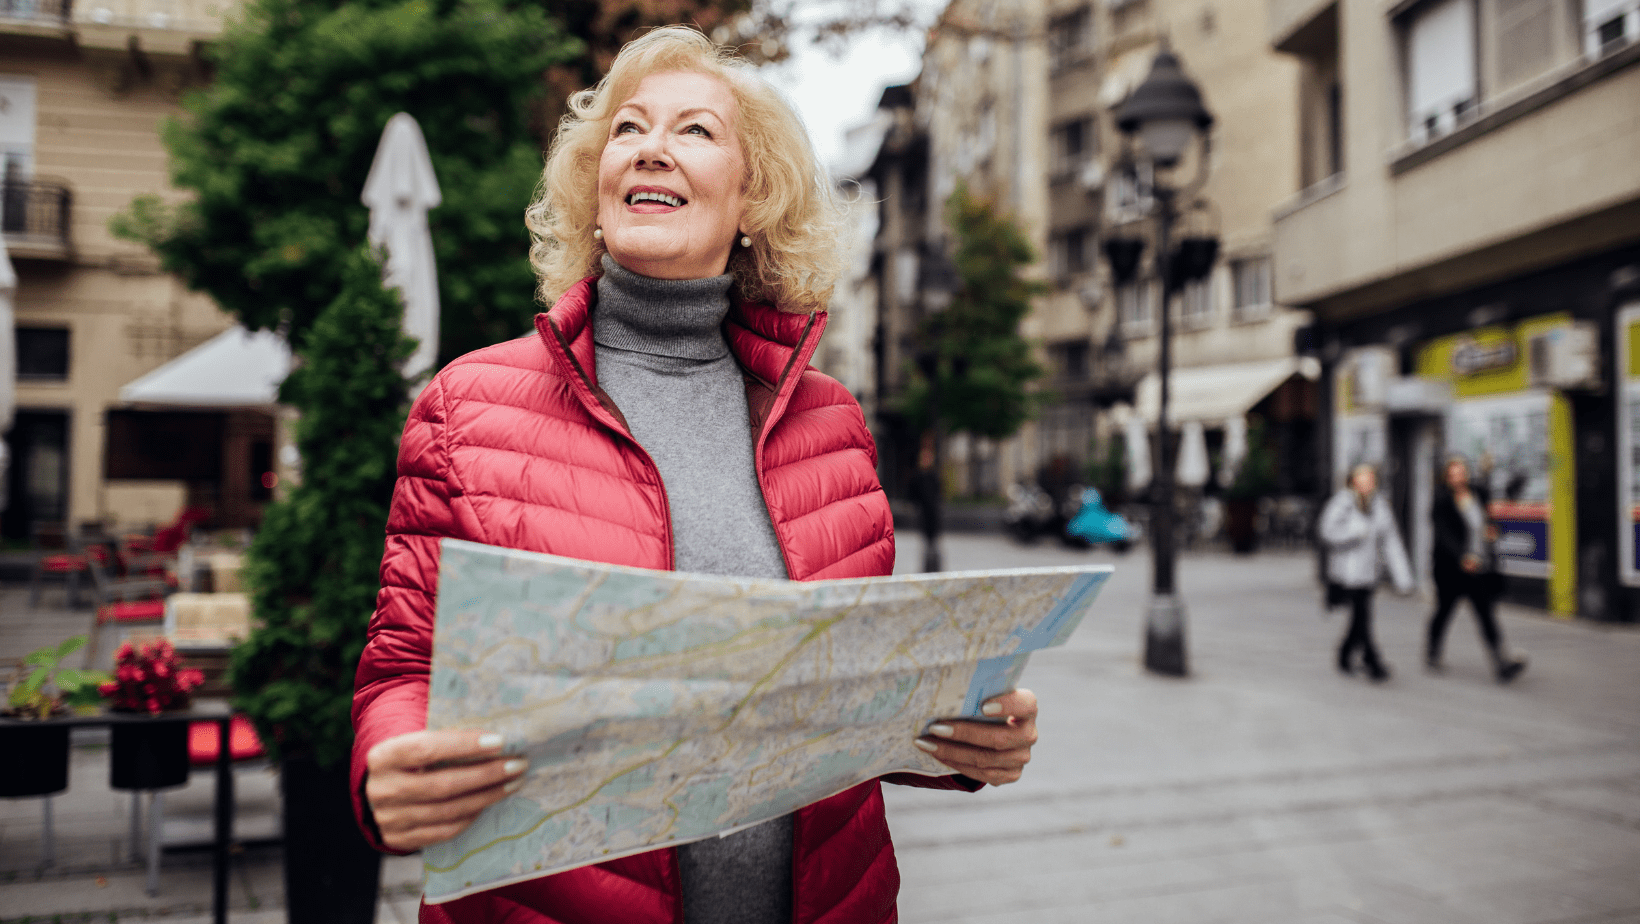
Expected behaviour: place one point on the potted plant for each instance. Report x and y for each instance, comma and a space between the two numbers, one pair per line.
313, 573
149, 678
40, 689
1255, 479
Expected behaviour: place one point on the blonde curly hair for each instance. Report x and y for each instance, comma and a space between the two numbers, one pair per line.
790, 212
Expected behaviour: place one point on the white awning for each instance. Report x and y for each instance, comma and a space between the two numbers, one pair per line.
236, 368
1215, 393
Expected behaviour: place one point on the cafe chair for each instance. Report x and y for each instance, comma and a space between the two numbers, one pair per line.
58, 557
203, 743
122, 601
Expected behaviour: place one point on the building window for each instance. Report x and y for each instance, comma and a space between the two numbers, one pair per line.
1070, 360
1070, 253
1196, 304
1074, 144
1250, 279
1070, 39
1461, 54
1129, 194
1609, 25
1440, 67
1135, 308
42, 353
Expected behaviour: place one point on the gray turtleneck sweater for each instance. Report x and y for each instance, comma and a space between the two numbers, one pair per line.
662, 358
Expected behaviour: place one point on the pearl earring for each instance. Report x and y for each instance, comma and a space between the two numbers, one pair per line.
745, 240
597, 234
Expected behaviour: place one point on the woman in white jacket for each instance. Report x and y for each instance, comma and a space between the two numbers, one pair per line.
1362, 543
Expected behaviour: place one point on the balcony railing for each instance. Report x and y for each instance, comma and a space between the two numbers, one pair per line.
34, 215
37, 10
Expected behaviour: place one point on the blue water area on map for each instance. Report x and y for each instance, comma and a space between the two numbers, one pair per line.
996, 676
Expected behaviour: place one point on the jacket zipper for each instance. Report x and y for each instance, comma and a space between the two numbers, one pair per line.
783, 391
596, 408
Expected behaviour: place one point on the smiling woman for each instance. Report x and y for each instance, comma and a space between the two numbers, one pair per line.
787, 208
669, 179
664, 417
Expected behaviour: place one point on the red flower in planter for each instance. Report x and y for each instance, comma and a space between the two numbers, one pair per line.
150, 678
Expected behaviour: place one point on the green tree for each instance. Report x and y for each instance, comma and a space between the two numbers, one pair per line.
276, 149
985, 367
313, 567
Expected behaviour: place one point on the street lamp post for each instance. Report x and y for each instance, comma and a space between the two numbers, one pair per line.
938, 283
1165, 113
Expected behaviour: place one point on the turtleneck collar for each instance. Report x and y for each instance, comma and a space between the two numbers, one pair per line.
682, 318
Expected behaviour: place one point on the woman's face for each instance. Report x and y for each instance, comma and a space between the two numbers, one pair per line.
670, 176
1457, 475
1364, 481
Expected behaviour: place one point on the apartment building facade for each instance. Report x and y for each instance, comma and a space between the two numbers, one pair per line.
1054, 74
1468, 240
84, 89
974, 116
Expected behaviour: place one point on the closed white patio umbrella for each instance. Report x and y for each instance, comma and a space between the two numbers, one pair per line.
399, 191
1138, 453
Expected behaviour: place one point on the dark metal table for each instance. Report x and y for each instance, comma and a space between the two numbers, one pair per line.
216, 711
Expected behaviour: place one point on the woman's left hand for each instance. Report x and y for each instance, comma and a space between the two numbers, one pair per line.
994, 753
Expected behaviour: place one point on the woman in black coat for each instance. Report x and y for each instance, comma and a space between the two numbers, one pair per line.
1466, 567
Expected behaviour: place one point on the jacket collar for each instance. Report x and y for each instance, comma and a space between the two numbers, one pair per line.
768, 343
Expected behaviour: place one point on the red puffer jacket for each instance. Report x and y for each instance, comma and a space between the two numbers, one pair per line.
517, 446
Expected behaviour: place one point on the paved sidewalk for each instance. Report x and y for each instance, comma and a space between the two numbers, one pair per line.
1268, 787
1265, 788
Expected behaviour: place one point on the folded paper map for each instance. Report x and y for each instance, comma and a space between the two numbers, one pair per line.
658, 708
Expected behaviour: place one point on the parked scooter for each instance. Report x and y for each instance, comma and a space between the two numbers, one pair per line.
1095, 524
1030, 512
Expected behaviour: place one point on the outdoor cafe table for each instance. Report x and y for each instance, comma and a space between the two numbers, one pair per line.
203, 711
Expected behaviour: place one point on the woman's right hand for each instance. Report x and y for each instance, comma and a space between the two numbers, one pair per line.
427, 786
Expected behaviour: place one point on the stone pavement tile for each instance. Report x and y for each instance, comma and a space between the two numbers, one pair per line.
184, 888
1609, 801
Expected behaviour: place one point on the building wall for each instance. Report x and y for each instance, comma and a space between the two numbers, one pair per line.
1409, 220
1456, 246
100, 107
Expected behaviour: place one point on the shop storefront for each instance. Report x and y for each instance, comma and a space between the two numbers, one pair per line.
1536, 382
1627, 339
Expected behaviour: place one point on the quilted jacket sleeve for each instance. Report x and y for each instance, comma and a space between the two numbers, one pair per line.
390, 689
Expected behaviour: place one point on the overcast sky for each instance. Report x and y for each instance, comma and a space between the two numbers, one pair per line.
834, 94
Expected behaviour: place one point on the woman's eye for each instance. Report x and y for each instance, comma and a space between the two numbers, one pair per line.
627, 128
698, 130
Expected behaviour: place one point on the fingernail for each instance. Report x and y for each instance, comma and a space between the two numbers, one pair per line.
514, 786
943, 731
490, 742
926, 745
515, 765
991, 709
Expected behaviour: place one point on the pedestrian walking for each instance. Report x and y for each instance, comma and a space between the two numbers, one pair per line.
1465, 565
1362, 544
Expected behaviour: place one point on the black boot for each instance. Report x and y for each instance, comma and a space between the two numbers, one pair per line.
1507, 668
1377, 671
1346, 663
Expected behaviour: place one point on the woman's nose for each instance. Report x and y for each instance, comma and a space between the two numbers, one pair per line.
652, 152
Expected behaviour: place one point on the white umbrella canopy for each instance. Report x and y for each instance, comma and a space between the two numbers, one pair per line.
1235, 449
1192, 470
1138, 453
8, 358
8, 344
399, 191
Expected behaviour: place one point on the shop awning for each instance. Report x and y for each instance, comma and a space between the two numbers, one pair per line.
1215, 393
236, 368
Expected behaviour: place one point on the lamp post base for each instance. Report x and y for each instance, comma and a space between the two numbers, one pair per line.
931, 556
1164, 636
